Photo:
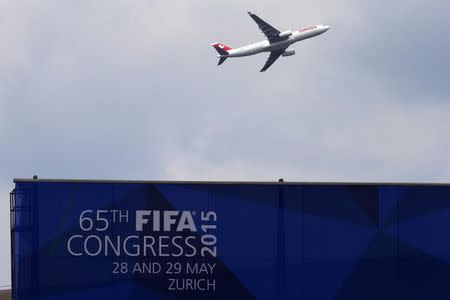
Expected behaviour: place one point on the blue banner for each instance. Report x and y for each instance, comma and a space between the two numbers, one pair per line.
125, 240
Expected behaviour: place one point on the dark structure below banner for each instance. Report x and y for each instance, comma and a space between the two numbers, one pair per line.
5, 295
181, 240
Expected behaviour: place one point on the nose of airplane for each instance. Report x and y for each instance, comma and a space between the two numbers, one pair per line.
326, 27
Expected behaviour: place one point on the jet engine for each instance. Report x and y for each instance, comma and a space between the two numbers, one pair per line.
285, 34
288, 52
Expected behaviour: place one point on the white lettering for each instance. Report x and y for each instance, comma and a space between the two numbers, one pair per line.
69, 245
169, 219
140, 220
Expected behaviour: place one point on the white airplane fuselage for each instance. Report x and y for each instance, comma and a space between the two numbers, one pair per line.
265, 46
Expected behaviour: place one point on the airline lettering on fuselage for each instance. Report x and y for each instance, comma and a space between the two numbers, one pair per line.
308, 28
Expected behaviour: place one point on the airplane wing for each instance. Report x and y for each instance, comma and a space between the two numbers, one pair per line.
270, 32
274, 55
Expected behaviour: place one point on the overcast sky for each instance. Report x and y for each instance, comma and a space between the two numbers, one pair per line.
131, 90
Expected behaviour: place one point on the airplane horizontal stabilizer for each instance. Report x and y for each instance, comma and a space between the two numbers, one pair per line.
222, 60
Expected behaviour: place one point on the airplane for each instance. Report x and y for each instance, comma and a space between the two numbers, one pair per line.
277, 43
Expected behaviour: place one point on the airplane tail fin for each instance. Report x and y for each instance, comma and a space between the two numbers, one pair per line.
221, 48
223, 51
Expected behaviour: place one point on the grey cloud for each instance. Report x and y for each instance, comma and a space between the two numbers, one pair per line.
406, 48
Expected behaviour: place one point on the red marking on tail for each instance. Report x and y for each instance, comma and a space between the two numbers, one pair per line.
222, 46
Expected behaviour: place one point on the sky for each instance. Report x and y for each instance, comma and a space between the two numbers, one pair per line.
130, 90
